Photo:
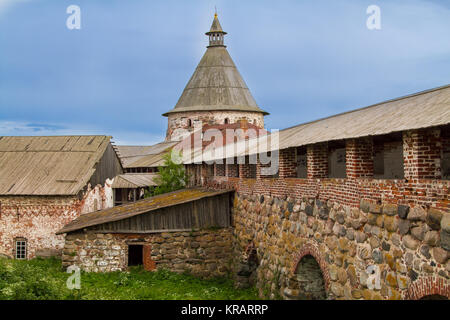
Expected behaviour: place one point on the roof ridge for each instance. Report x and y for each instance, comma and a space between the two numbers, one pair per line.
371, 106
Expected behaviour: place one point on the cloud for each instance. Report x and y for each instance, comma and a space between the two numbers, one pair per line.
124, 137
27, 128
5, 5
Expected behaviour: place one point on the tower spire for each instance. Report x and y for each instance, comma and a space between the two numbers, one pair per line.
216, 34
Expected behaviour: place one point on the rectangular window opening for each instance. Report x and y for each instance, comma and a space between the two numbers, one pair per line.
220, 170
388, 157
268, 165
336, 159
233, 169
301, 160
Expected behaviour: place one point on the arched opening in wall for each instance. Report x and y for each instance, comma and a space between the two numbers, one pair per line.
310, 281
434, 297
226, 121
189, 123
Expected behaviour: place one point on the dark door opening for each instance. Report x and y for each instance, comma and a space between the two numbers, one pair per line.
135, 256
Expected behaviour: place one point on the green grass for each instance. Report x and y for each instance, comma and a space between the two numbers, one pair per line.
44, 279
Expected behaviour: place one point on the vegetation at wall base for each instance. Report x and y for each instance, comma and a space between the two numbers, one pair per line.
44, 279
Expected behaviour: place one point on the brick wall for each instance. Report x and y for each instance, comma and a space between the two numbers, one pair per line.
422, 154
288, 163
359, 158
317, 159
37, 218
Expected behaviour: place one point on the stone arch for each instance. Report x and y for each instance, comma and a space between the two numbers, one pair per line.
428, 286
309, 255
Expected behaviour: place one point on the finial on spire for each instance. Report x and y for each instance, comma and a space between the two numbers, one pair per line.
215, 12
216, 33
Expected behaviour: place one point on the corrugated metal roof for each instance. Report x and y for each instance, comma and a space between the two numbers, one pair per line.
54, 165
130, 154
139, 207
134, 180
420, 110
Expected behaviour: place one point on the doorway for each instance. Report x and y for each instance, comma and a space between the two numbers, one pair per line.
135, 255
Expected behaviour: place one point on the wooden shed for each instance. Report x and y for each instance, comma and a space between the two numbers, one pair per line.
185, 209
185, 230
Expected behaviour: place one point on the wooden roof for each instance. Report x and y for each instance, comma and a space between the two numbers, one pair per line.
54, 165
143, 156
216, 84
424, 109
134, 180
139, 207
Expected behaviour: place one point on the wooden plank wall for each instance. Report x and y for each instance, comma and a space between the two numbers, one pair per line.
107, 168
199, 214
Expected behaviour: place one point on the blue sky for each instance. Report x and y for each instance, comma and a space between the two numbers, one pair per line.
129, 63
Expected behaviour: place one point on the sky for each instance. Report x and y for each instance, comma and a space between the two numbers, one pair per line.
130, 61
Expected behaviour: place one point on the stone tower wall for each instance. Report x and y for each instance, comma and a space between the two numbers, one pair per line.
178, 123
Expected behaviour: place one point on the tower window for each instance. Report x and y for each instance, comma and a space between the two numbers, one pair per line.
226, 121
189, 123
20, 245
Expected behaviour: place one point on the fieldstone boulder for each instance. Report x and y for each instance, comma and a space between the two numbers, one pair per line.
440, 255
377, 256
410, 242
390, 209
402, 211
403, 226
445, 222
432, 238
434, 218
417, 214
418, 232
445, 240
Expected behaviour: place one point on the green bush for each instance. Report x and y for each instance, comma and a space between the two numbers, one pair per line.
171, 176
30, 280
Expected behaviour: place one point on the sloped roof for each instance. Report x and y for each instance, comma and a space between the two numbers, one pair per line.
53, 165
216, 85
139, 207
134, 180
420, 110
140, 156
216, 27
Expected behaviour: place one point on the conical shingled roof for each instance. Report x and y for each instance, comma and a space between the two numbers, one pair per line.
216, 84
